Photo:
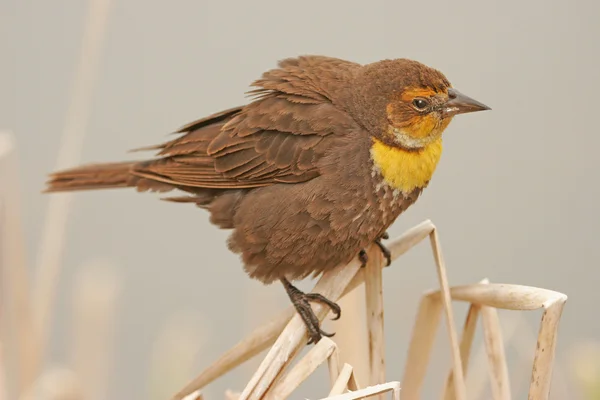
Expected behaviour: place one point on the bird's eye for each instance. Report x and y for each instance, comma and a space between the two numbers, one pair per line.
420, 104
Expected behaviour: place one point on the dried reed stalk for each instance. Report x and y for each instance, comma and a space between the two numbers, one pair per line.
259, 340
494, 345
424, 330
195, 396
374, 300
466, 344
479, 375
334, 364
522, 344
285, 386
231, 395
341, 383
516, 297
13, 265
264, 336
350, 332
259, 302
331, 285
370, 391
49, 260
421, 344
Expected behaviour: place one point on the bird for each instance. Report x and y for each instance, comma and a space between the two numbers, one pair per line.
324, 156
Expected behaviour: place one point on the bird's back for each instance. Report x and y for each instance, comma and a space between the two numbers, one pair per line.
291, 172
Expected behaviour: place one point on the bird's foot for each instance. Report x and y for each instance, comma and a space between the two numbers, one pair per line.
301, 302
386, 252
362, 255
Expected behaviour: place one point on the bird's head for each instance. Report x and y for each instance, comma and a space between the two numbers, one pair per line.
407, 104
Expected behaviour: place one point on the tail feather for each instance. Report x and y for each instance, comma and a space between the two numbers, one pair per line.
94, 176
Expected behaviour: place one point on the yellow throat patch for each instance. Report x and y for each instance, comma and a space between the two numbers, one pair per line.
406, 170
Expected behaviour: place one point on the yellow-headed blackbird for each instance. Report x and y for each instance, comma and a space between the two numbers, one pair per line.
309, 173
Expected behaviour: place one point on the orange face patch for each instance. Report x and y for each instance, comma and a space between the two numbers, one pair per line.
410, 94
403, 117
422, 125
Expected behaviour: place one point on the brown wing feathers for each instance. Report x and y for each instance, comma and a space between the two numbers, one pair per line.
277, 138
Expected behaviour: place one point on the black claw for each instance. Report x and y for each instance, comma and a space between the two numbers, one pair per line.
386, 252
363, 257
335, 309
301, 303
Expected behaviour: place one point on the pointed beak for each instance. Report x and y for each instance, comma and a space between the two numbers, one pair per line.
458, 103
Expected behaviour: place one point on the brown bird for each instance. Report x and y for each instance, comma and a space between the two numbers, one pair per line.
311, 172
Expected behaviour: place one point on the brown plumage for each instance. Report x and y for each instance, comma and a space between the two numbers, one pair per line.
296, 173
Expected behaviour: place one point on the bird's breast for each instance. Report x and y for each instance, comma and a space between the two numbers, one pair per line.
405, 171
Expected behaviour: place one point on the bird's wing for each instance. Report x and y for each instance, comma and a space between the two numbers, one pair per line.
280, 137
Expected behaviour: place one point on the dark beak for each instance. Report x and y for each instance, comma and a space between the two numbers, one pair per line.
458, 103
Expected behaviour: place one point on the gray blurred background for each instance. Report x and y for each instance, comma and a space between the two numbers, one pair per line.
515, 196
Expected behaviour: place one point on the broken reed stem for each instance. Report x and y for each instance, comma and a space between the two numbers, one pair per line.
420, 346
519, 297
494, 345
259, 340
264, 336
49, 259
459, 380
479, 376
294, 336
480, 295
370, 391
340, 384
13, 265
350, 332
333, 364
321, 352
466, 343
545, 352
374, 300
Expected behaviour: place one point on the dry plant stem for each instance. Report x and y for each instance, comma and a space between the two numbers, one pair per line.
421, 343
53, 236
350, 332
465, 349
466, 344
289, 382
331, 285
264, 336
256, 342
341, 383
507, 296
546, 348
492, 334
459, 381
334, 365
374, 299
370, 391
522, 344
353, 383
231, 395
197, 395
479, 376
15, 280
518, 297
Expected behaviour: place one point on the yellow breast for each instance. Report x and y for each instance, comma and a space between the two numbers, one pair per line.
406, 170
